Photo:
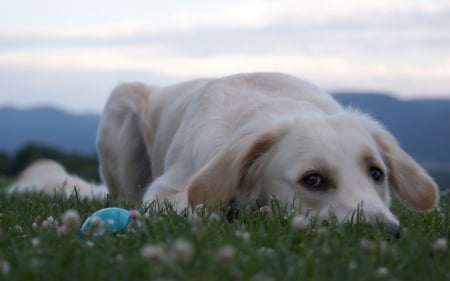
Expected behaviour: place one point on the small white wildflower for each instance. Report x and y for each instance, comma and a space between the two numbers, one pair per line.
384, 247
440, 245
261, 277
266, 251
18, 228
90, 244
34, 225
35, 241
71, 219
152, 253
197, 226
214, 218
200, 209
96, 221
226, 255
134, 225
36, 262
62, 230
243, 235
326, 249
382, 272
38, 220
299, 223
95, 227
266, 211
49, 223
45, 225
182, 251
134, 214
352, 265
367, 245
119, 258
322, 230
5, 268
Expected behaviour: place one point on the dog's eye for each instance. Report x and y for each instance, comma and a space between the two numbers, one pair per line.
312, 181
376, 174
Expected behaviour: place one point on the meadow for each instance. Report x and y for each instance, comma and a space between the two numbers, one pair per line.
37, 242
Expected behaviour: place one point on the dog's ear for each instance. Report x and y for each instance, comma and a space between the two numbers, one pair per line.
409, 180
233, 168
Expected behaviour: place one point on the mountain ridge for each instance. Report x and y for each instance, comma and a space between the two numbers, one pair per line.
422, 126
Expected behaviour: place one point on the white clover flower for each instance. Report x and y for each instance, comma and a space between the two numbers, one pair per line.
45, 225
36, 262
440, 245
226, 255
384, 247
35, 241
266, 211
49, 223
266, 251
214, 218
299, 223
96, 221
243, 235
71, 219
134, 214
152, 253
261, 277
352, 265
62, 230
18, 228
5, 267
200, 209
382, 272
367, 245
197, 226
182, 251
119, 258
38, 220
135, 225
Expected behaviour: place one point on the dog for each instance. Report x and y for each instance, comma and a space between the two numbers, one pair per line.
246, 138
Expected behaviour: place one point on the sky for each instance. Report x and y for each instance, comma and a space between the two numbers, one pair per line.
72, 53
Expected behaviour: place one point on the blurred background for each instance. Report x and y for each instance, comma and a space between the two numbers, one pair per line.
59, 61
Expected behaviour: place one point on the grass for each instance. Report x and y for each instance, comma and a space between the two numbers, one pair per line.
250, 247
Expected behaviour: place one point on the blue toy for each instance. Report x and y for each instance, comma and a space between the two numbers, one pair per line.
108, 220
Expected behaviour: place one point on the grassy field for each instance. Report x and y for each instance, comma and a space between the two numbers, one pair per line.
253, 246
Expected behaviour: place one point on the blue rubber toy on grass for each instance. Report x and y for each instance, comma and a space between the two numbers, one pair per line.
108, 220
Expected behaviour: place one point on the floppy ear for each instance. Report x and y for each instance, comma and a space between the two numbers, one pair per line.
410, 181
234, 168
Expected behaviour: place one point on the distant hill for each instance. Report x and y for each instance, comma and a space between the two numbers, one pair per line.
421, 126
49, 126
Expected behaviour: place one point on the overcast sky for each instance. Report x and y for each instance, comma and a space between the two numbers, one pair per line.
72, 53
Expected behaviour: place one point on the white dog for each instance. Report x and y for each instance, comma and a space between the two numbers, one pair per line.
247, 138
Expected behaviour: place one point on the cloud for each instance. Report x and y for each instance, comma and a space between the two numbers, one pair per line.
401, 46
196, 15
340, 71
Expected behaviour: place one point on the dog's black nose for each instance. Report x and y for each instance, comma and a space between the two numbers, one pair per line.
391, 227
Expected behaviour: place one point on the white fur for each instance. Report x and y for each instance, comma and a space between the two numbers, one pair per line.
50, 177
248, 137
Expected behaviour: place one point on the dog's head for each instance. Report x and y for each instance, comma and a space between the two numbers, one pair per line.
339, 163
